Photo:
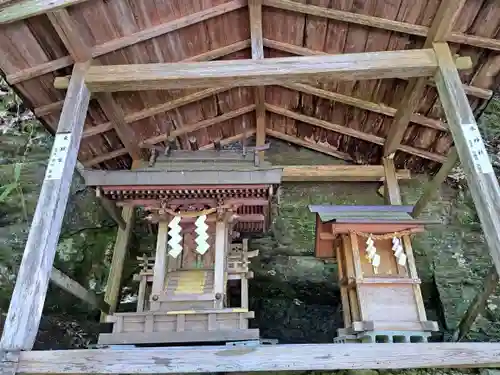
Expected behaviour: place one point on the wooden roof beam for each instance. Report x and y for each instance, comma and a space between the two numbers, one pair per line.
66, 283
338, 172
255, 14
30, 8
152, 111
352, 132
462, 62
147, 143
238, 73
481, 179
310, 145
363, 104
432, 187
381, 23
440, 29
66, 28
128, 40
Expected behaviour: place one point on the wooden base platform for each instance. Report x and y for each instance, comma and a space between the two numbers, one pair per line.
182, 360
178, 337
155, 327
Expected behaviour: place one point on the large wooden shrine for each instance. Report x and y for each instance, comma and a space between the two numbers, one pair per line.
204, 202
379, 284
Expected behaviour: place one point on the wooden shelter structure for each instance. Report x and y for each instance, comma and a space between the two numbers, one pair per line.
371, 81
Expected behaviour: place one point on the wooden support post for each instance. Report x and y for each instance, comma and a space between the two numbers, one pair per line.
141, 295
392, 192
440, 29
221, 244
160, 267
412, 271
481, 178
477, 305
433, 186
71, 286
255, 13
244, 278
27, 301
119, 253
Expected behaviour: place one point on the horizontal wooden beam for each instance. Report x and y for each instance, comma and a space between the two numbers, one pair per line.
273, 71
462, 63
337, 172
299, 357
381, 23
352, 132
128, 40
71, 286
29, 8
316, 146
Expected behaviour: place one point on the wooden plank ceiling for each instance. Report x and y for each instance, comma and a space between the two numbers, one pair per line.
346, 119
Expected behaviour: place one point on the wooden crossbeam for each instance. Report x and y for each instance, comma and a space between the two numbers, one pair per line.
30, 8
337, 172
432, 187
352, 132
300, 357
128, 40
238, 73
477, 305
255, 14
471, 150
462, 62
27, 301
324, 149
381, 23
71, 286
440, 29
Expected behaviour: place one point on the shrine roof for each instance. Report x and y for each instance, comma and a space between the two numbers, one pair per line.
367, 214
191, 168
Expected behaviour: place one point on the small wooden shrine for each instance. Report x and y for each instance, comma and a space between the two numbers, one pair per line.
202, 202
380, 287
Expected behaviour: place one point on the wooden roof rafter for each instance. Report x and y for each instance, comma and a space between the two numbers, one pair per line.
66, 29
352, 132
125, 41
381, 23
441, 27
462, 63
